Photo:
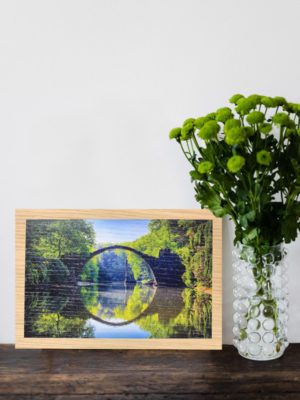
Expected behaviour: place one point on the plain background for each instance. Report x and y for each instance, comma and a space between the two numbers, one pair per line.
90, 89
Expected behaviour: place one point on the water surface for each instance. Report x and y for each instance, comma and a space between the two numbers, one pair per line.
116, 310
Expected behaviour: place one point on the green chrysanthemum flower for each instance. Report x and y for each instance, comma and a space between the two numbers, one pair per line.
249, 130
231, 123
235, 136
279, 101
288, 107
209, 130
235, 163
263, 157
234, 99
175, 133
201, 121
187, 131
281, 119
255, 117
256, 98
223, 114
245, 105
189, 121
211, 115
290, 132
205, 167
265, 128
295, 108
268, 102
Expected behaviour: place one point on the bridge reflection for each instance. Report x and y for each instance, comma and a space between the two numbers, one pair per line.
81, 311
84, 302
166, 302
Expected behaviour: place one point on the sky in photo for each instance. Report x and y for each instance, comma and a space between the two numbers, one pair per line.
119, 230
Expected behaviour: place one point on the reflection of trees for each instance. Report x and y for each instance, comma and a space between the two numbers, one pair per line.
137, 303
197, 312
56, 325
188, 317
89, 295
172, 312
111, 302
54, 311
163, 312
35, 301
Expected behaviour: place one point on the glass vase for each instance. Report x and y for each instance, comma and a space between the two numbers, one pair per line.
260, 302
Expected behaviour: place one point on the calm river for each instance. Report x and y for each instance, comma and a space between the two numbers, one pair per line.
117, 310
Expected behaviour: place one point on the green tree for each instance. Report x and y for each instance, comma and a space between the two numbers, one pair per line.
56, 238
191, 240
90, 271
49, 240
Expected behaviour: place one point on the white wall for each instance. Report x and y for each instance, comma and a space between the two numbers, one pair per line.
90, 89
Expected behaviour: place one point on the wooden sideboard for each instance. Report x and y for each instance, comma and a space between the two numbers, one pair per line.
137, 374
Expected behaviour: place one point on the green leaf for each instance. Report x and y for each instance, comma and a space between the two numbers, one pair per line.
195, 176
251, 216
296, 167
243, 221
219, 212
295, 209
241, 206
210, 199
242, 194
289, 228
250, 235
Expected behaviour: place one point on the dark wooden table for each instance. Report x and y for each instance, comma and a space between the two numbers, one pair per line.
106, 374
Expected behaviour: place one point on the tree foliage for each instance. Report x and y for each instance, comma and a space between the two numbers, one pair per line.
190, 239
192, 319
47, 241
57, 238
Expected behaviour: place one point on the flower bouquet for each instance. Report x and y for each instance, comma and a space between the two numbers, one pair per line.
246, 164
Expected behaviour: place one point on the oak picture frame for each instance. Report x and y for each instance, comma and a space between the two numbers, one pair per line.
22, 215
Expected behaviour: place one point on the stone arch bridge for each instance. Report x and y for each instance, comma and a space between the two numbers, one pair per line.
167, 268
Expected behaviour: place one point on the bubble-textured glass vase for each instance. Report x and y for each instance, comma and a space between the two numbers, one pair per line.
260, 304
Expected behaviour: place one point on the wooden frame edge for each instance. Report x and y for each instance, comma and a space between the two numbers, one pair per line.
214, 343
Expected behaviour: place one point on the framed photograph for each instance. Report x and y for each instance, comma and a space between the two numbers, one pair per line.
118, 279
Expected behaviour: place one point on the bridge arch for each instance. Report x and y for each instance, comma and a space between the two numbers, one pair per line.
145, 257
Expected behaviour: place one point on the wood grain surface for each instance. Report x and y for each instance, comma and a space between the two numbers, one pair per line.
89, 343
140, 374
